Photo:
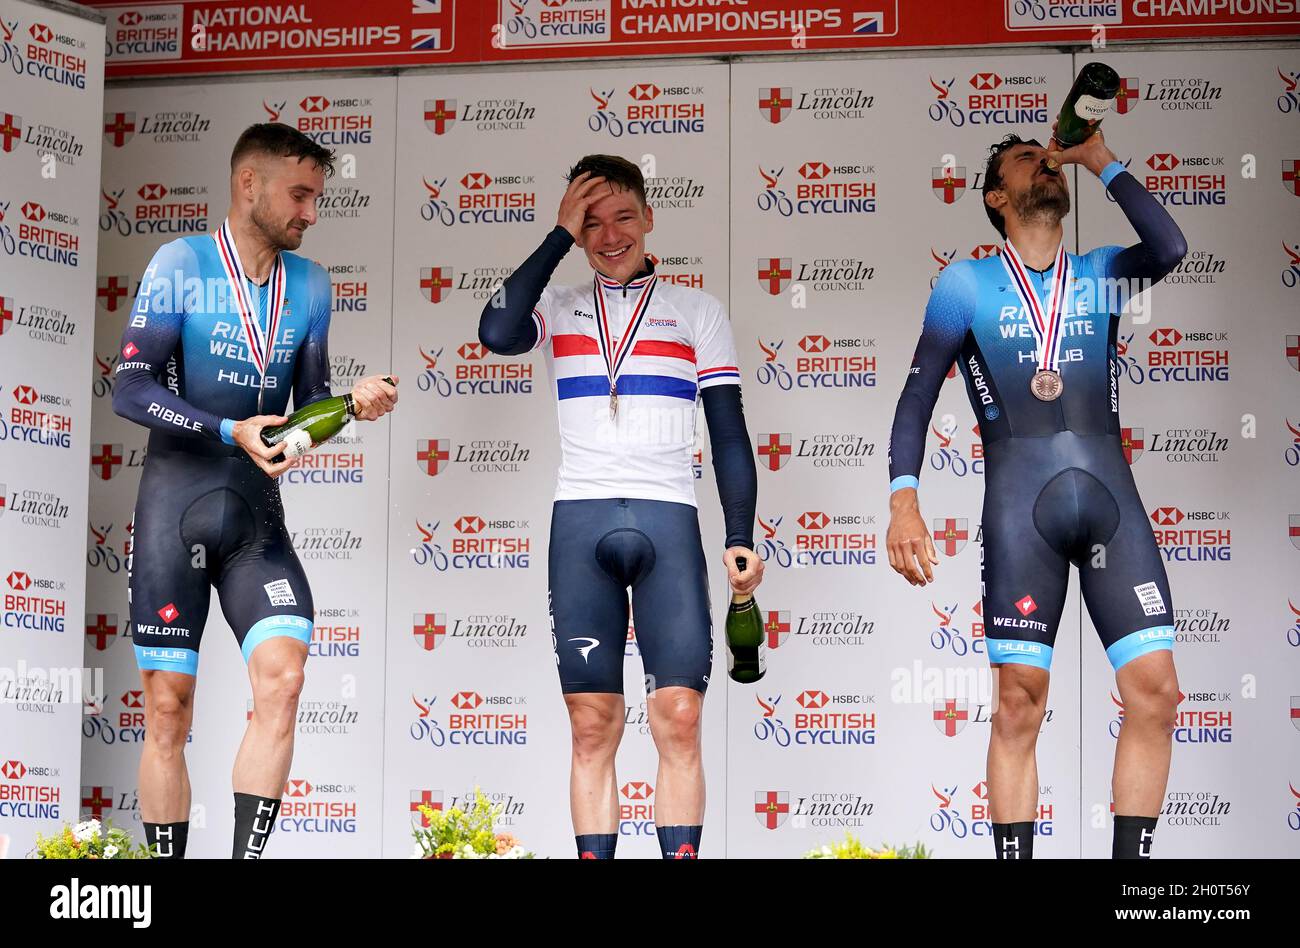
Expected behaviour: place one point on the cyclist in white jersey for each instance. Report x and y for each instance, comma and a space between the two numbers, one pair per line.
631, 357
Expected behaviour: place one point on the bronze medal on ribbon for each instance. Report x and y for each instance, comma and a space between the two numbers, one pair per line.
1046, 385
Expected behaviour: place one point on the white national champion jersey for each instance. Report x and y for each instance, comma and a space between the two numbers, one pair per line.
665, 343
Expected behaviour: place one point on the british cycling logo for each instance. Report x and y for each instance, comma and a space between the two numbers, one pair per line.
475, 543
26, 793
473, 719
155, 208
820, 539
40, 232
1182, 538
819, 189
472, 370
951, 819
649, 109
1187, 180
320, 807
1202, 717
477, 197
341, 120
1174, 355
989, 98
819, 361
817, 718
41, 53
956, 631
948, 457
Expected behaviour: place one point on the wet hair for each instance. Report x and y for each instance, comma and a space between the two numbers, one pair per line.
280, 141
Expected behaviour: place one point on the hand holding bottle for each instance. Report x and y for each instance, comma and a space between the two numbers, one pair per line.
269, 457
374, 396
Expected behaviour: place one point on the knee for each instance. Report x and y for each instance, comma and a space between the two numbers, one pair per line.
279, 689
167, 718
1152, 700
677, 722
596, 731
1021, 706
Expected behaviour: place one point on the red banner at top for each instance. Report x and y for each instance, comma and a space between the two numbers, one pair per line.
155, 37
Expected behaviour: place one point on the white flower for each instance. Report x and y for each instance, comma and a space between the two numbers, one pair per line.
110, 852
85, 831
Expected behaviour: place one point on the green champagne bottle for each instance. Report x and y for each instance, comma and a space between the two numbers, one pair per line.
1089, 100
746, 645
312, 425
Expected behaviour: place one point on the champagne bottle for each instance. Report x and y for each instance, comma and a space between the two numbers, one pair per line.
747, 650
312, 425
1089, 100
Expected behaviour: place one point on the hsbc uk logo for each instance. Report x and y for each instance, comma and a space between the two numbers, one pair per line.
342, 120
820, 362
1192, 536
1187, 180
963, 813
649, 109
989, 98
1176, 355
317, 807
636, 808
819, 538
24, 792
474, 371
155, 208
474, 543
473, 719
816, 717
477, 197
819, 188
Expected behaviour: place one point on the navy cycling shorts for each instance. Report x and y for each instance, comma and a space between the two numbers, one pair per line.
207, 516
1061, 499
600, 548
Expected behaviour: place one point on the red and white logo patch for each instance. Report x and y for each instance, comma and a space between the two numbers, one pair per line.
169, 613
129, 350
1026, 605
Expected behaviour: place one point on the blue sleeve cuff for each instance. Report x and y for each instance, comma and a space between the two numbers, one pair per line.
1108, 173
907, 480
228, 430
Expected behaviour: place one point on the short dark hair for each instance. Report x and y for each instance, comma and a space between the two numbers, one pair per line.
281, 141
993, 175
615, 170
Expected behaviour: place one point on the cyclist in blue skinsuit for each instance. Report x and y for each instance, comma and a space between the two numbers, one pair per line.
1033, 330
223, 327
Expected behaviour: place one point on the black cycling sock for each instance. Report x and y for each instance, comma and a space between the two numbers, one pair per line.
170, 838
679, 842
596, 845
1133, 836
1014, 840
254, 820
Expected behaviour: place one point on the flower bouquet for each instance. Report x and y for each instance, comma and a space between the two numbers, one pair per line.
455, 834
851, 848
89, 840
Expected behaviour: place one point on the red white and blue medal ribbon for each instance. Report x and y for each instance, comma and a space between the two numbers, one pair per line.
1045, 322
615, 354
261, 342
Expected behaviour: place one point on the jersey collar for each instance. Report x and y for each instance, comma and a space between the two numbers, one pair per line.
613, 286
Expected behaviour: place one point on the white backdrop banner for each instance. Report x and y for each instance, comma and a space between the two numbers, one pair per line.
51, 87
819, 201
